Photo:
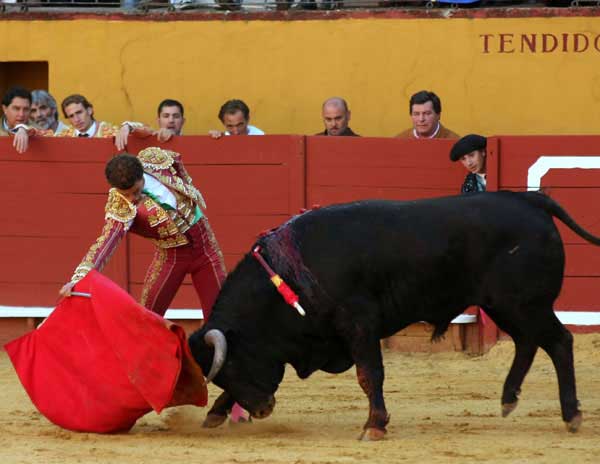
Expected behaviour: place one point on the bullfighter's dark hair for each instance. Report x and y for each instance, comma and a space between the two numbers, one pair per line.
424, 96
16, 92
233, 106
170, 102
123, 171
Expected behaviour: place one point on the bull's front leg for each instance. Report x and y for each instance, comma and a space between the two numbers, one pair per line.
362, 337
219, 411
370, 377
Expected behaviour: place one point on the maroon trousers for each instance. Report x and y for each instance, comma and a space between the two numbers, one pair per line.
201, 258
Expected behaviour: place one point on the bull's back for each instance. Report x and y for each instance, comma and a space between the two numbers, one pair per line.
417, 246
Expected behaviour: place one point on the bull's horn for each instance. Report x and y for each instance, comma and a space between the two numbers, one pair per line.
217, 340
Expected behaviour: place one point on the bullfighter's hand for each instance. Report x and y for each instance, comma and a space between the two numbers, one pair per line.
21, 140
66, 289
122, 136
215, 134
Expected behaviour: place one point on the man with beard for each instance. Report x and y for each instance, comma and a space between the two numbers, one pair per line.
44, 112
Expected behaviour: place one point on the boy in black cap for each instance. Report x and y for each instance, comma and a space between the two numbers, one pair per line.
470, 150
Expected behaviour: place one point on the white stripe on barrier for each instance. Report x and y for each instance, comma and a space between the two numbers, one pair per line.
544, 163
566, 317
32, 311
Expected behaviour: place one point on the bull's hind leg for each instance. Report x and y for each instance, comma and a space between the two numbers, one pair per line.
525, 350
362, 338
524, 354
557, 341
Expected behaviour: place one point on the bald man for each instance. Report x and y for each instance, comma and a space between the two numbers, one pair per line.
336, 117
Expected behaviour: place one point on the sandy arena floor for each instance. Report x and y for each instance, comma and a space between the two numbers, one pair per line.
445, 409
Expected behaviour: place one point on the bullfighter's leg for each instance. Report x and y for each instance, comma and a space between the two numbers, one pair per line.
208, 266
219, 411
208, 274
363, 340
524, 354
163, 278
557, 341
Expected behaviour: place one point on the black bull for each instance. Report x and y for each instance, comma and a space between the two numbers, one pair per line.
367, 269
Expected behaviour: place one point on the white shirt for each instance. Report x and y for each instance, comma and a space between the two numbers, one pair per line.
90, 132
159, 190
435, 132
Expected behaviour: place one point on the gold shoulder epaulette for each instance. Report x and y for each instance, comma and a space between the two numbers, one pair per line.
119, 208
155, 158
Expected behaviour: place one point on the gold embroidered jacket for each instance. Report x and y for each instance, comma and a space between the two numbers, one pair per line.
165, 227
104, 130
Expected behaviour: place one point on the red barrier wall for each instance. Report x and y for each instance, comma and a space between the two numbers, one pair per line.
55, 194
576, 189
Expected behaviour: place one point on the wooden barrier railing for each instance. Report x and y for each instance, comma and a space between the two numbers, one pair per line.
55, 194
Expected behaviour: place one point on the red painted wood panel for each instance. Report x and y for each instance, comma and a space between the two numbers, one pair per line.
582, 260
578, 294
55, 193
351, 169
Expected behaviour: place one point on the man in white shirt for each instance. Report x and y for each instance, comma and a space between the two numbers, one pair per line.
235, 116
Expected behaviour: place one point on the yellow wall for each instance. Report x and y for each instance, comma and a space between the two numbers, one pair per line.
284, 70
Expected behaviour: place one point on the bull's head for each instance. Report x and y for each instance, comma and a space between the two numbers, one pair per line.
248, 378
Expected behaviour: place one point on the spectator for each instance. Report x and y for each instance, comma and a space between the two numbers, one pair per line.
235, 116
336, 117
44, 112
170, 116
425, 109
80, 112
170, 123
16, 106
471, 152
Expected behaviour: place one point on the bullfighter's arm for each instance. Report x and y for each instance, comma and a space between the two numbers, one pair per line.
119, 216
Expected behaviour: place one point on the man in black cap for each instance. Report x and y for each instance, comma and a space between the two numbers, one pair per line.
470, 150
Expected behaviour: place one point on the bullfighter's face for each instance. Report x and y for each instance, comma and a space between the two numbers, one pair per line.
474, 162
134, 193
425, 119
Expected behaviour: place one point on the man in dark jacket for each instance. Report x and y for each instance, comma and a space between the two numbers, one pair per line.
336, 117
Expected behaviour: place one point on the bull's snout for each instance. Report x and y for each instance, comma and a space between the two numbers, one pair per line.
264, 410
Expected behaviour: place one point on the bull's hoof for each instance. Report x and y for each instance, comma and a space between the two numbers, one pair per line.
372, 434
240, 421
213, 420
574, 424
507, 408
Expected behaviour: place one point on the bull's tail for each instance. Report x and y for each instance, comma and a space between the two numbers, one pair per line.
549, 205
